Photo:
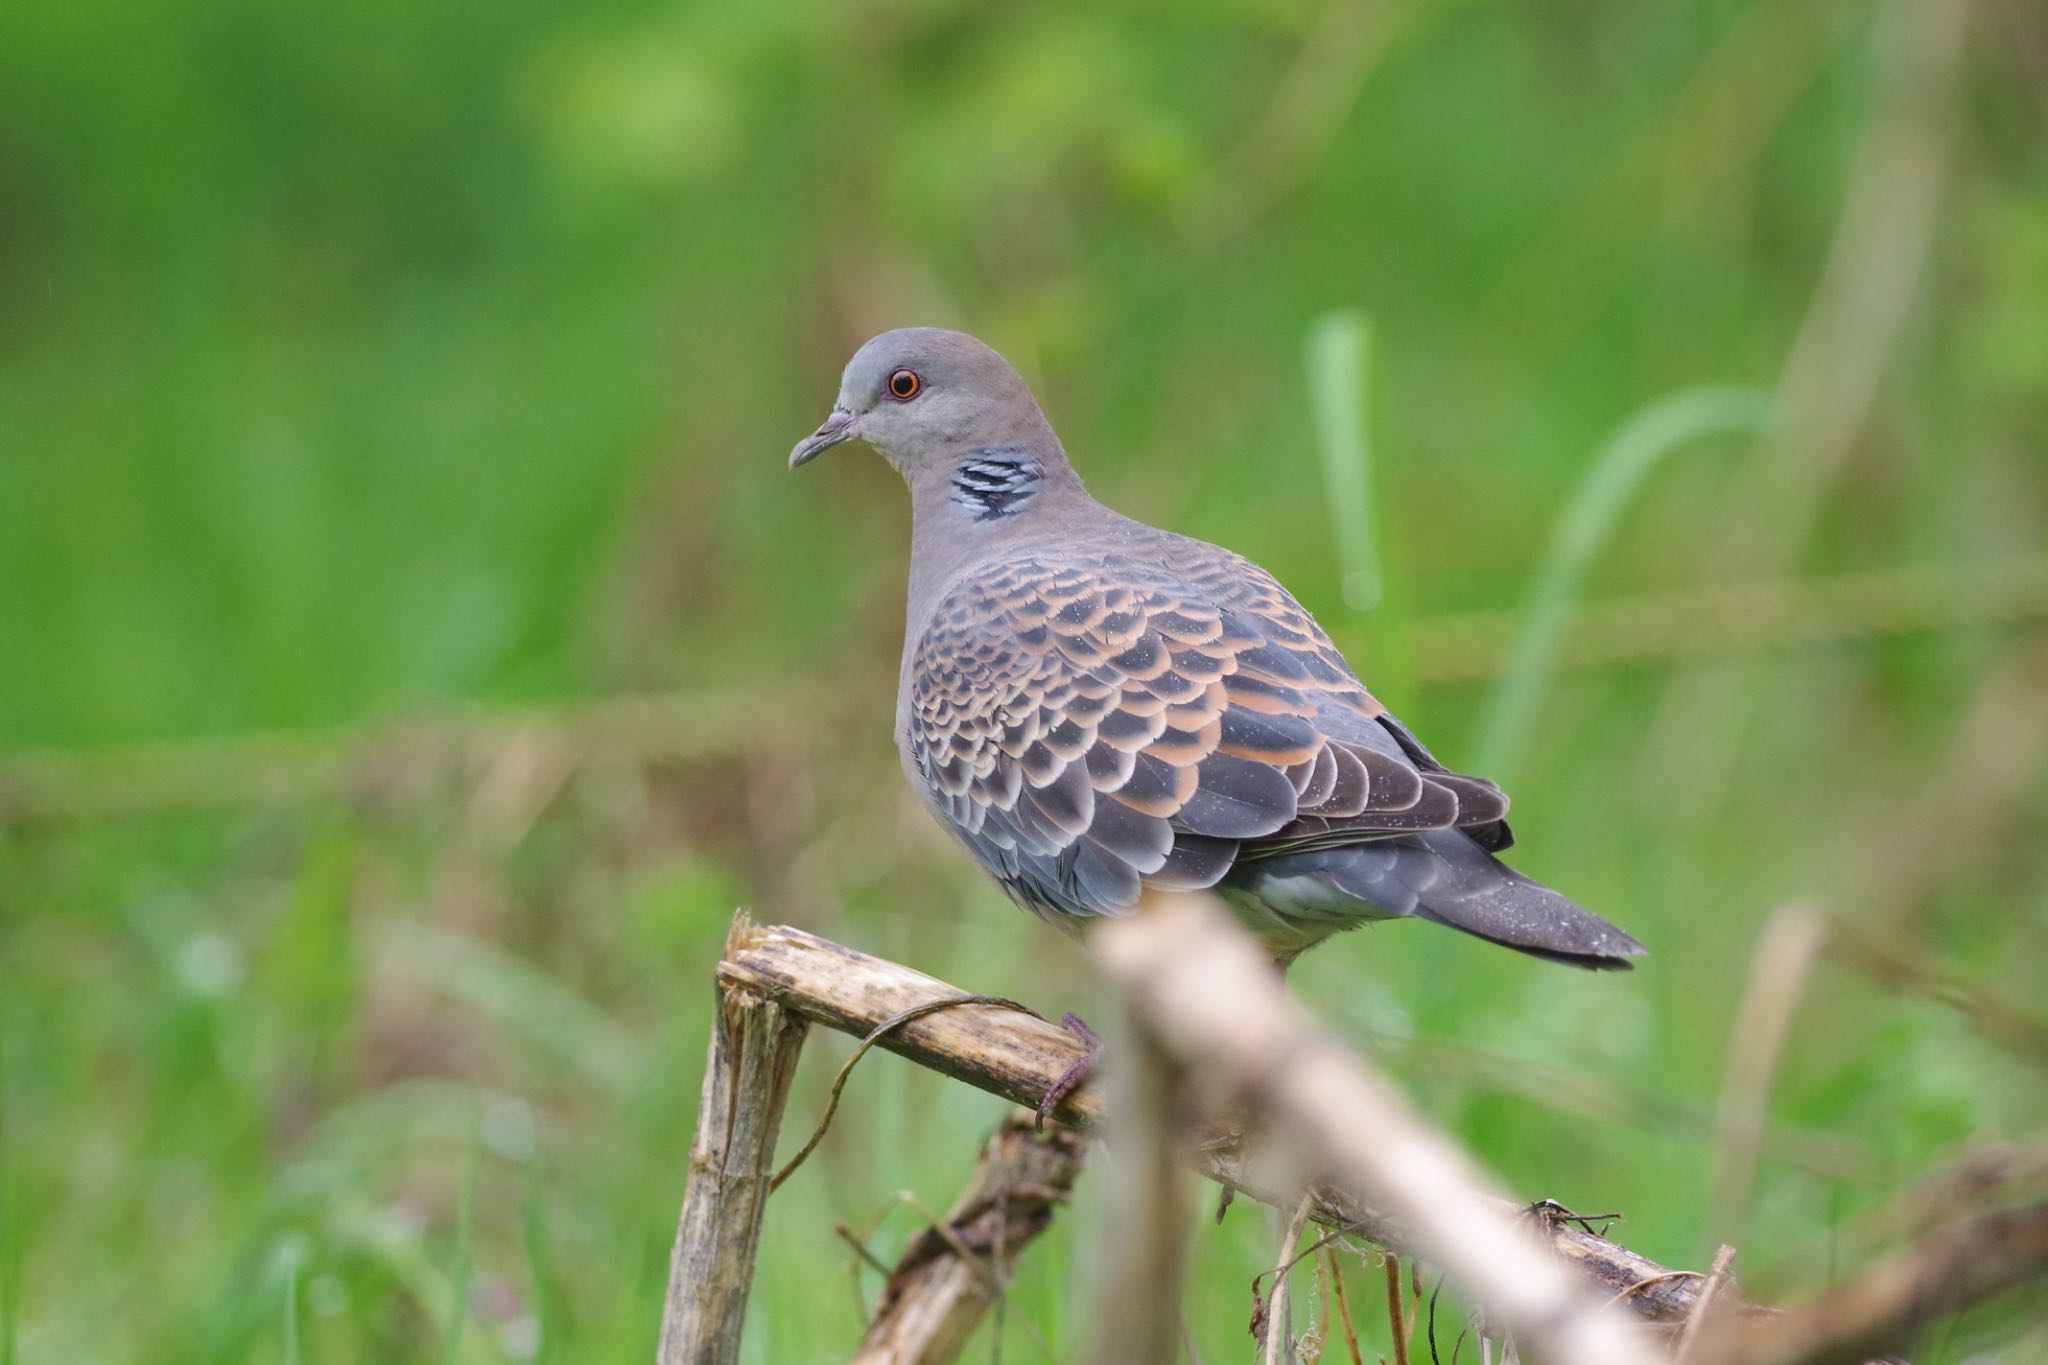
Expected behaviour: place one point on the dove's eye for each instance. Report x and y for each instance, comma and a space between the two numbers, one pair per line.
905, 385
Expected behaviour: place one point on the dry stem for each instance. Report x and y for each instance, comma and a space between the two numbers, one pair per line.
944, 1282
1885, 1307
754, 1046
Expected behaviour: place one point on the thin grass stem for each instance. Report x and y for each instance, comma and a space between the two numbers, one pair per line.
546, 1308
291, 1309
458, 1306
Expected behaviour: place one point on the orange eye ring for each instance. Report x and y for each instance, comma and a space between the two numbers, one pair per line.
904, 385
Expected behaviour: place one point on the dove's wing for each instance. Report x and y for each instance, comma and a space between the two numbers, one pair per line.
1095, 725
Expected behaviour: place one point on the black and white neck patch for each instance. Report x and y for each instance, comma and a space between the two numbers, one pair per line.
996, 483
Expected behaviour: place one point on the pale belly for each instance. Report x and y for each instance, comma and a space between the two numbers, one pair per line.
1290, 915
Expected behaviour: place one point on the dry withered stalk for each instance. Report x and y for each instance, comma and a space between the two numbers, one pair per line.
945, 1281
754, 1047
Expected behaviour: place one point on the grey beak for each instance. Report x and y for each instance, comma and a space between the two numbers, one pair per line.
838, 427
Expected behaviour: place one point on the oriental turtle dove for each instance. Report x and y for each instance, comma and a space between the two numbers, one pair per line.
1092, 706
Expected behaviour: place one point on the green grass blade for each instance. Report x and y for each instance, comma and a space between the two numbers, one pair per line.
546, 1309
458, 1305
10, 1236
1339, 359
1340, 397
1584, 528
291, 1310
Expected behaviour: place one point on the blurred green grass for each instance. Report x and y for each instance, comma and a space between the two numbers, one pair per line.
360, 368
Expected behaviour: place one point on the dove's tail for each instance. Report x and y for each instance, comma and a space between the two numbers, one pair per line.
1442, 876
1488, 899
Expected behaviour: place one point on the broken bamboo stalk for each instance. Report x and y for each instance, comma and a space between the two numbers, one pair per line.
755, 1040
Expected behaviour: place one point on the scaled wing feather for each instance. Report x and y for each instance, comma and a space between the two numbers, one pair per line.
1098, 725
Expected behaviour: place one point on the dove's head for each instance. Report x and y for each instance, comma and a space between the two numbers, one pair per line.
926, 397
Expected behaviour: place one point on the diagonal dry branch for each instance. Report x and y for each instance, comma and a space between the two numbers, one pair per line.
1201, 986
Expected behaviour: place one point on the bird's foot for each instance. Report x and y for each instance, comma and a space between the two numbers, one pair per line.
1548, 1213
1070, 1079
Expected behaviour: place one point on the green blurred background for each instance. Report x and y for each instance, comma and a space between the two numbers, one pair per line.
413, 648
